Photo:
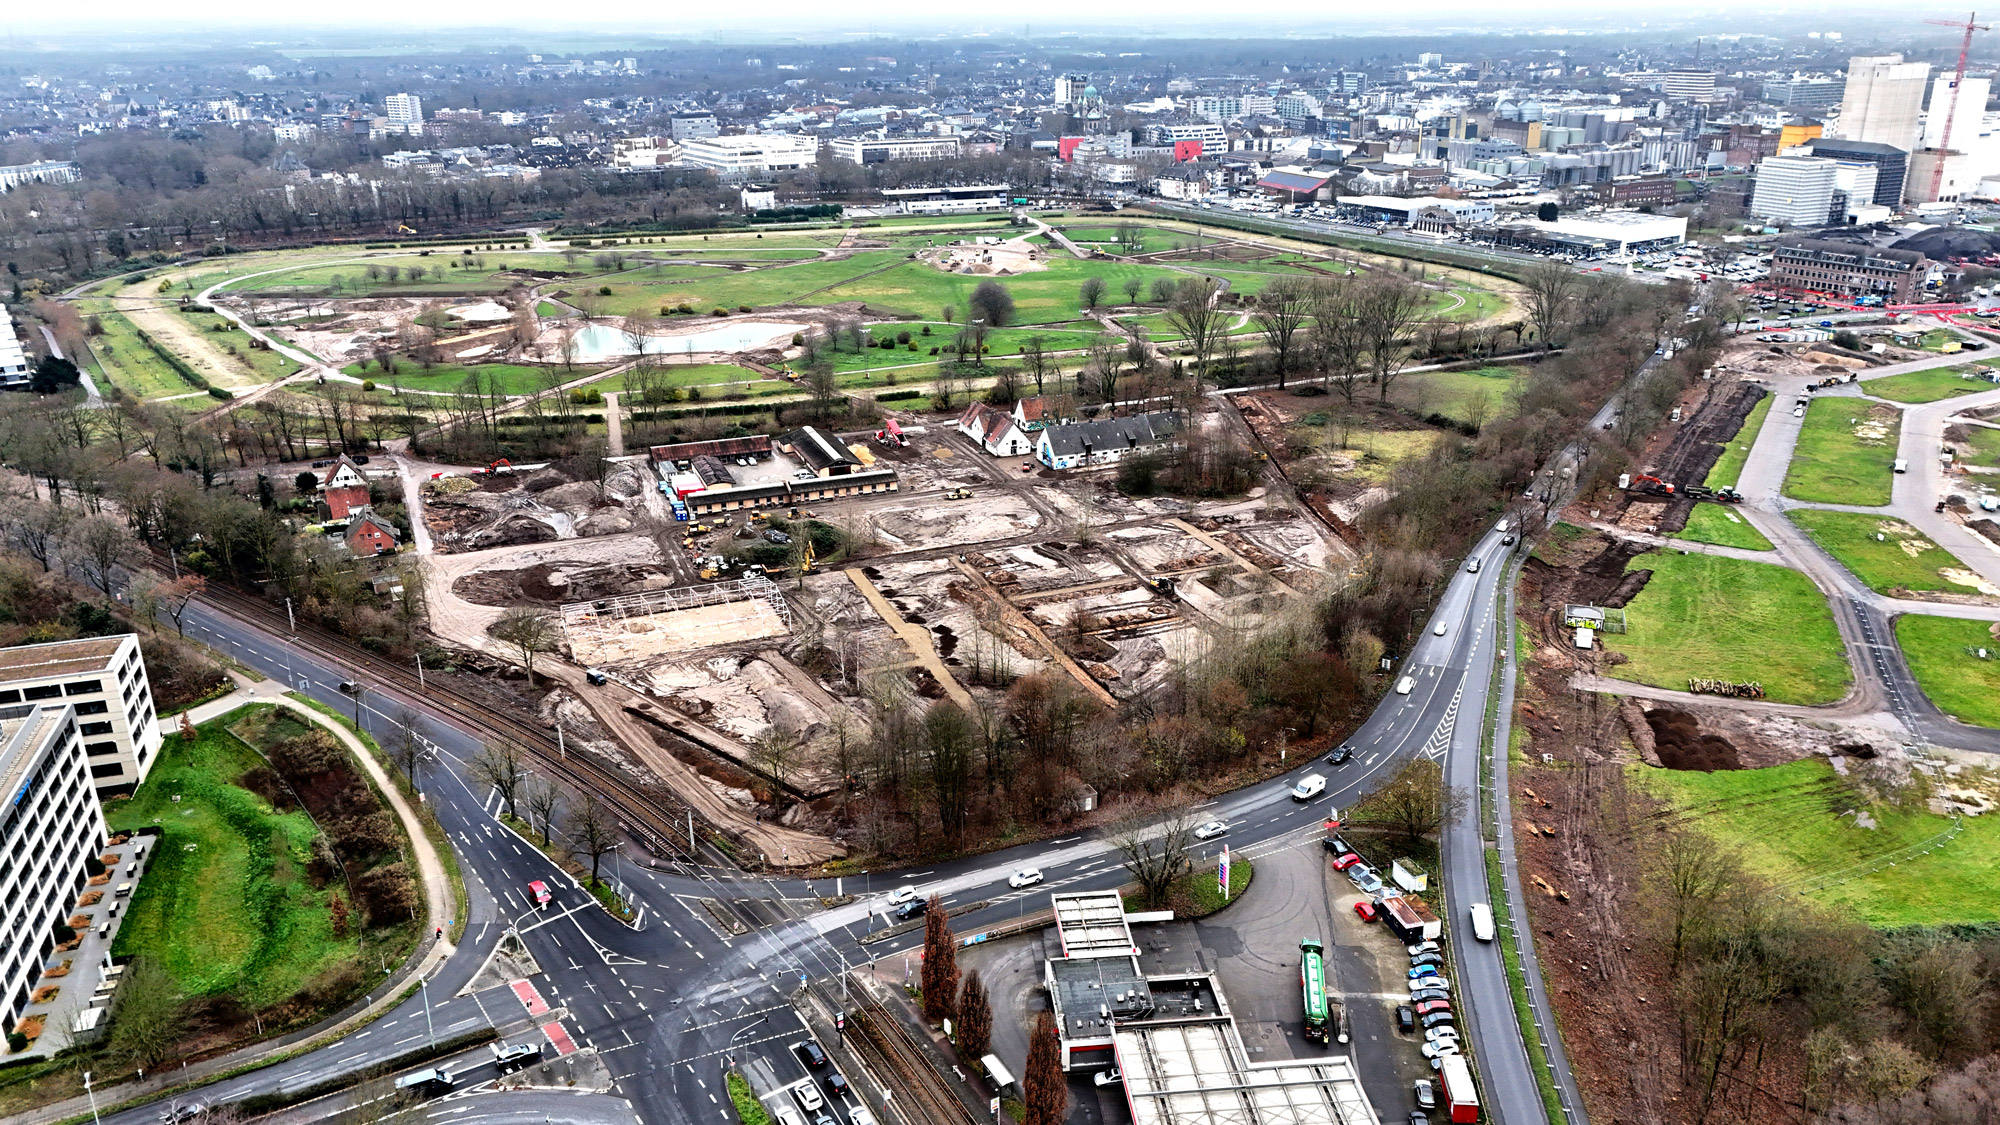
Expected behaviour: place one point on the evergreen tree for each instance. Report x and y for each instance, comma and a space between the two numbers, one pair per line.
940, 979
975, 1018
1044, 1090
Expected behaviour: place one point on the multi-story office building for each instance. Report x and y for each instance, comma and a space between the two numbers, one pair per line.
13, 359
1795, 190
751, 155
883, 150
1805, 91
1892, 164
1848, 269
1689, 85
1213, 137
104, 678
1883, 99
403, 109
688, 126
50, 824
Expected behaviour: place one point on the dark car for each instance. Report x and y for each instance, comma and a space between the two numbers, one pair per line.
1419, 1117
1340, 754
1427, 959
1336, 845
1406, 1020
1424, 994
1436, 1019
359, 458
809, 1053
912, 909
836, 1084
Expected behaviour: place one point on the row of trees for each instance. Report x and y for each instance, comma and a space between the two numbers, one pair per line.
968, 1008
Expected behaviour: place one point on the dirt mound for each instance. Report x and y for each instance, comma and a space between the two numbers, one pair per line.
1681, 745
557, 584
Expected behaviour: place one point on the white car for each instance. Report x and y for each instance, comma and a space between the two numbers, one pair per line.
1210, 830
1421, 983
902, 894
1025, 877
1441, 1034
1423, 947
1110, 1077
1439, 1050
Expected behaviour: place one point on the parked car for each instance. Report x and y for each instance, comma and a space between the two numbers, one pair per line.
1440, 1034
1337, 846
1366, 911
836, 1085
1110, 1077
809, 1053
1422, 995
1439, 1019
1418, 1117
1340, 754
1342, 863
1422, 959
1025, 877
1422, 947
1430, 1006
1419, 972
1406, 1019
1421, 983
1210, 830
1439, 1050
1425, 1092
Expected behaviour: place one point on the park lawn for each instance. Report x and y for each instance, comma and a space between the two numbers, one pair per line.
1925, 386
1711, 617
1845, 451
225, 907
697, 375
262, 364
129, 364
706, 287
1378, 452
1905, 559
1728, 468
1042, 297
1723, 526
1459, 394
1943, 655
1795, 822
350, 277
514, 379
1981, 446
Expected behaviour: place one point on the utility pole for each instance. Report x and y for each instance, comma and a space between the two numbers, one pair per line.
420, 671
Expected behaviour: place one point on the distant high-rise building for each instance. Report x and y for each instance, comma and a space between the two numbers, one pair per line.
1795, 190
403, 109
1069, 87
1689, 85
1883, 99
1430, 60
1805, 91
1972, 97
1893, 163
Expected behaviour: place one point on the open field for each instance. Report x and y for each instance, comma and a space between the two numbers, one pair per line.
1904, 559
1944, 656
1981, 447
128, 362
226, 907
1729, 467
444, 378
1925, 386
1486, 393
1710, 617
1796, 821
1718, 524
1844, 453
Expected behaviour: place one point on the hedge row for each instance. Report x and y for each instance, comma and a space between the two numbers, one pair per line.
173, 361
898, 396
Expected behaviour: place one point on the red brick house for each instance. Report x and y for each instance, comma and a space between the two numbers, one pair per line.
370, 534
343, 501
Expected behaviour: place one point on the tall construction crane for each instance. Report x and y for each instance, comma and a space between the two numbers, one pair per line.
1951, 110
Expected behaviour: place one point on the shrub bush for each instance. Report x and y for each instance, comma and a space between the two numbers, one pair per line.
743, 308
903, 337
604, 291
720, 311
367, 384
798, 339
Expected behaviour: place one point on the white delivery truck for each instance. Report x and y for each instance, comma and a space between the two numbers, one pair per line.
1482, 921
1309, 786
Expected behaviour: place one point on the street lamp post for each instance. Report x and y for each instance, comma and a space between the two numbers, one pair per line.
93, 1099
424, 986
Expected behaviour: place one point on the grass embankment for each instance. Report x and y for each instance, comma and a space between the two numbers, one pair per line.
1799, 821
226, 905
1925, 386
1717, 618
1944, 656
1723, 526
1728, 468
1845, 451
1904, 558
1198, 893
1517, 986
445, 378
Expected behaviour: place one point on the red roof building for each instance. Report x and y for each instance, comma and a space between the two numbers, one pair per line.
370, 534
342, 502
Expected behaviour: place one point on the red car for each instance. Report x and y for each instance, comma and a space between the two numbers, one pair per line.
1342, 863
1366, 911
1430, 1006
540, 891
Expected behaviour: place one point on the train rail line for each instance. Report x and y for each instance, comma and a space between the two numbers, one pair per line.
654, 816
894, 1054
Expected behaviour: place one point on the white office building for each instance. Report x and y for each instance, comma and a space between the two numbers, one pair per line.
50, 824
1965, 120
1795, 190
751, 155
403, 109
13, 358
1883, 99
884, 150
1689, 85
104, 678
40, 172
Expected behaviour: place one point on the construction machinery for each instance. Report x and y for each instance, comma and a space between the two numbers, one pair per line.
1951, 109
1165, 588
960, 493
1647, 483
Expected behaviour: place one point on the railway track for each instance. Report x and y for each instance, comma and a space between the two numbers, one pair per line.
655, 817
920, 1089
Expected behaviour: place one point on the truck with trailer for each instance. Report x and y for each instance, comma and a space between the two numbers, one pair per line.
1459, 1095
1312, 987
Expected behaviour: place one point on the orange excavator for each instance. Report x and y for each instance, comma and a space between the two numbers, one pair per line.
1652, 484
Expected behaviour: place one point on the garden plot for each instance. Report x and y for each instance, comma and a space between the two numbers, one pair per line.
928, 522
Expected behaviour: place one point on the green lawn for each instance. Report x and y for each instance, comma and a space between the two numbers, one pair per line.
1981, 447
350, 278
514, 379
1796, 821
1710, 617
700, 375
261, 364
1944, 655
1729, 467
1904, 559
1925, 386
1460, 394
130, 364
226, 905
1723, 525
1845, 450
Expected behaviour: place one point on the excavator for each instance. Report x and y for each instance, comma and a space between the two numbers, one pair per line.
1654, 486
1651, 484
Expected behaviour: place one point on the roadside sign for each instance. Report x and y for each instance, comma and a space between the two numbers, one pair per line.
1222, 873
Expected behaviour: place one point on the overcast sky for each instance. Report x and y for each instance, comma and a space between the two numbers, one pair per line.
784, 19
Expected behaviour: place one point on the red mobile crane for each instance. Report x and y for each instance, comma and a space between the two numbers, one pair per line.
1958, 82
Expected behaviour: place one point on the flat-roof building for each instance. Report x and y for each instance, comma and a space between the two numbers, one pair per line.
105, 679
1795, 190
1848, 269
50, 825
14, 370
884, 150
750, 155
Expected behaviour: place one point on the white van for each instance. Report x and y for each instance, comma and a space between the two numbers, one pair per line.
1902, 465
1501, 527
1482, 921
1404, 685
1309, 786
